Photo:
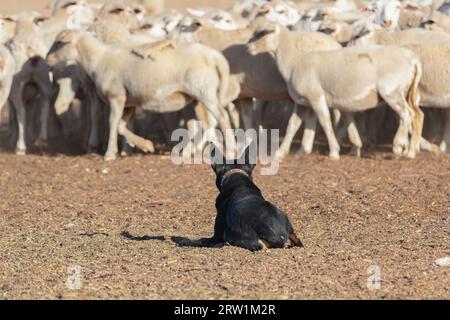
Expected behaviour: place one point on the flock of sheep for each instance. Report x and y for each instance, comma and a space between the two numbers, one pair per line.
340, 63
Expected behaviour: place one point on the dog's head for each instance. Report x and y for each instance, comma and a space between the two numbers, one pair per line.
221, 166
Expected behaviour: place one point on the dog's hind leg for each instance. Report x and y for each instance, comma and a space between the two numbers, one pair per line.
247, 241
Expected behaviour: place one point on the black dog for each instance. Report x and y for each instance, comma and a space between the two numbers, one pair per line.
244, 218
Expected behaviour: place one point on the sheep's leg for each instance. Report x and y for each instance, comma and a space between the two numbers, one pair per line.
446, 137
129, 124
65, 96
224, 124
45, 87
258, 110
309, 133
234, 114
337, 117
205, 122
209, 132
401, 107
340, 127
117, 107
132, 139
247, 113
320, 106
4, 94
355, 138
16, 99
295, 122
418, 120
94, 112
194, 130
426, 145
193, 116
348, 122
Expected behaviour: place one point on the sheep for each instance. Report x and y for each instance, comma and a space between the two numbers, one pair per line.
146, 76
153, 7
33, 38
69, 15
255, 75
353, 79
432, 47
28, 49
341, 31
437, 21
218, 18
368, 34
7, 28
442, 6
7, 70
118, 10
388, 13
197, 31
412, 17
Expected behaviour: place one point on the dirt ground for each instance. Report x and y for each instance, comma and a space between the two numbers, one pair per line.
114, 222
112, 219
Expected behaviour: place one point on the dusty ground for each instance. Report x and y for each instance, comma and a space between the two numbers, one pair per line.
111, 219
350, 215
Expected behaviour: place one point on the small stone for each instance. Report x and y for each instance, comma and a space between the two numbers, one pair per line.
105, 171
442, 262
69, 226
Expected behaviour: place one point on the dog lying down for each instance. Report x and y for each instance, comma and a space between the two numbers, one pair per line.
244, 218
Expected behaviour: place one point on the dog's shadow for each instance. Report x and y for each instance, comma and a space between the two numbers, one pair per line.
179, 241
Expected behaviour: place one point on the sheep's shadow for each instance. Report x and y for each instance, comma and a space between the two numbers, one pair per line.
179, 241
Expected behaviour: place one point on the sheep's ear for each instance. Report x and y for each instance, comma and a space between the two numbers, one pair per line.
39, 20
196, 12
8, 18
263, 10
217, 158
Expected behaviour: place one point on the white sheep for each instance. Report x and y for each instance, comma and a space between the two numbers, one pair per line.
7, 71
28, 48
433, 49
353, 79
146, 76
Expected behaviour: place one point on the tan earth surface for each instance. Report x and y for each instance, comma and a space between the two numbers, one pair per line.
114, 221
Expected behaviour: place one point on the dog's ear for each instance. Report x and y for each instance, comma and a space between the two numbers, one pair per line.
248, 158
217, 158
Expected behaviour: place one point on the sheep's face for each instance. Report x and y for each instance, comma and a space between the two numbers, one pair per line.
2, 29
363, 36
118, 11
330, 28
265, 40
281, 13
78, 13
223, 20
187, 29
139, 12
64, 48
154, 28
431, 23
389, 14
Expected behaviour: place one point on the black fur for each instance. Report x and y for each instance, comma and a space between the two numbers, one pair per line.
244, 217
